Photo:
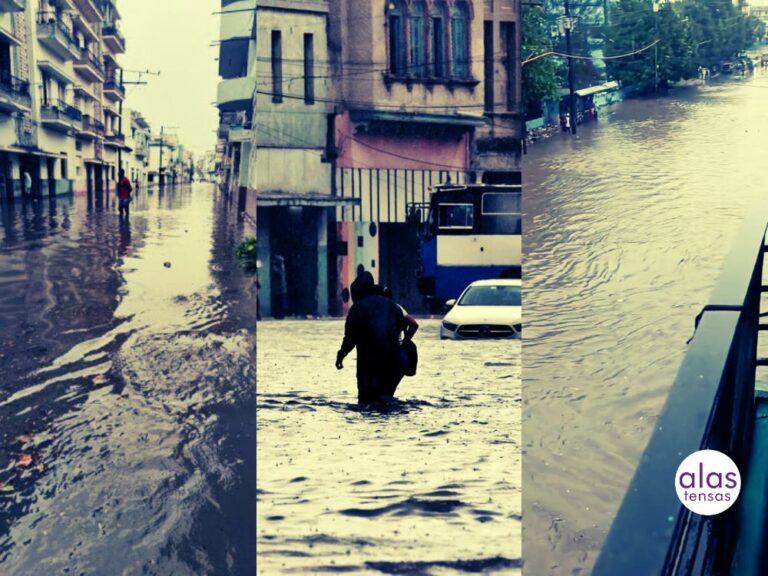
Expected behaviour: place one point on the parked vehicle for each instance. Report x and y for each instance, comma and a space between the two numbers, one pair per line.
485, 309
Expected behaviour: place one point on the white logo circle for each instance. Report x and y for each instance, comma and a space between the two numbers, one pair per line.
708, 482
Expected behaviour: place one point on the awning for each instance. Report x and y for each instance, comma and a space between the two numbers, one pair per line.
466, 120
596, 89
314, 200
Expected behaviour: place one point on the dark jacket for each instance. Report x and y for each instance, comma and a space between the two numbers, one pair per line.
373, 326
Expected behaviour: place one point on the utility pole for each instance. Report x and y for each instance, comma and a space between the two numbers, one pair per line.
656, 48
123, 84
160, 168
567, 25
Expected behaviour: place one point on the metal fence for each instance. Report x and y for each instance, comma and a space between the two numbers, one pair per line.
710, 406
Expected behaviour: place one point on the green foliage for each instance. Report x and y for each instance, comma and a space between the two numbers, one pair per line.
540, 77
246, 253
691, 33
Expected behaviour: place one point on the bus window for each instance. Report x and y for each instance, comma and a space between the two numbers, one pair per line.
496, 204
456, 216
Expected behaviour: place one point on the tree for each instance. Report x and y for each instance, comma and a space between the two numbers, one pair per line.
541, 76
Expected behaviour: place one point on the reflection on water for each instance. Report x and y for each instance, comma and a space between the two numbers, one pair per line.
626, 228
426, 485
127, 406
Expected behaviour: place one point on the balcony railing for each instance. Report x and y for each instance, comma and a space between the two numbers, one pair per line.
113, 38
710, 406
53, 32
90, 65
116, 138
112, 85
90, 124
15, 89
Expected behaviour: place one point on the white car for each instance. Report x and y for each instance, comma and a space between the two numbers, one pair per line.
486, 309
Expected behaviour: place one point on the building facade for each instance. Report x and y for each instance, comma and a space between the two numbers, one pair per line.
60, 96
361, 109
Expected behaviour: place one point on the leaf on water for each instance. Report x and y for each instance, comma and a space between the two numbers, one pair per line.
6, 487
24, 438
99, 379
25, 460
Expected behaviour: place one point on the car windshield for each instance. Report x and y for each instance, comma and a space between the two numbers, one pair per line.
503, 295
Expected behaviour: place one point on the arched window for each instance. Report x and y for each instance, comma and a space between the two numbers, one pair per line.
460, 39
418, 52
438, 34
396, 24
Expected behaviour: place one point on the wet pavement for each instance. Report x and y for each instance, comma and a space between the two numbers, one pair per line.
127, 402
427, 486
626, 228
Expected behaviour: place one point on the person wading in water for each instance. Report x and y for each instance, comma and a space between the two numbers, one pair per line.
373, 326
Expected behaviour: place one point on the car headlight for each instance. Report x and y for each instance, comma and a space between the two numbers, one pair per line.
449, 326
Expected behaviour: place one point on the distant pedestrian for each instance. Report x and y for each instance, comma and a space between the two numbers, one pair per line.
567, 122
27, 177
373, 326
563, 124
124, 189
280, 288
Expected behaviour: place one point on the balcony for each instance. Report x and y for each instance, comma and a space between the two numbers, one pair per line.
113, 90
89, 10
14, 94
13, 5
56, 37
141, 152
90, 67
115, 140
61, 117
113, 39
236, 94
91, 128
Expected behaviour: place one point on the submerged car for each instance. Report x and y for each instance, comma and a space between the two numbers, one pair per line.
486, 309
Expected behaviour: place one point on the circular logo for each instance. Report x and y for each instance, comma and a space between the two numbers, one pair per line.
708, 482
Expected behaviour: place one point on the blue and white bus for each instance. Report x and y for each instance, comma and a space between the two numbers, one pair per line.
471, 232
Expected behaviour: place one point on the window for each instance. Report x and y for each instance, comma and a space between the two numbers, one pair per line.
460, 40
488, 64
437, 46
500, 204
417, 49
509, 46
455, 216
309, 69
396, 37
277, 66
64, 174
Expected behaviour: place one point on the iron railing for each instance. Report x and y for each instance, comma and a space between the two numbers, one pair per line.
710, 406
49, 19
15, 87
90, 124
111, 83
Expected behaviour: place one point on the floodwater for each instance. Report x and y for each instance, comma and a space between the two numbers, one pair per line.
626, 228
127, 401
427, 486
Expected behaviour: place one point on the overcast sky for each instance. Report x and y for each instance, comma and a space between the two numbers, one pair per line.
174, 37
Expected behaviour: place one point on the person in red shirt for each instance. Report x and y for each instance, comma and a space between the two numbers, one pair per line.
124, 189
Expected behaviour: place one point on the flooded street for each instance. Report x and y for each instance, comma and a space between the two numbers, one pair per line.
127, 401
429, 485
626, 229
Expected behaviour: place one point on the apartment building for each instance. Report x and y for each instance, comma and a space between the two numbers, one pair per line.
362, 108
60, 96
